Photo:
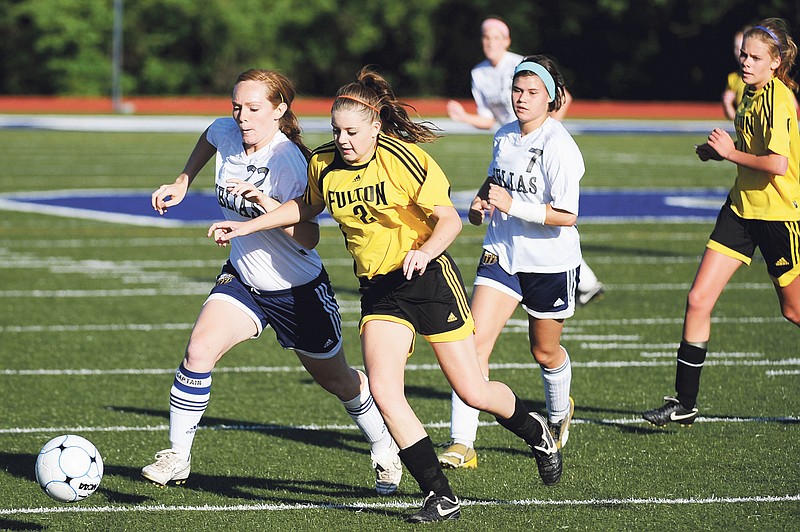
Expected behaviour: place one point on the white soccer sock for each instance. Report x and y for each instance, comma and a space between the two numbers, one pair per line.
557, 383
463, 422
367, 417
588, 279
188, 400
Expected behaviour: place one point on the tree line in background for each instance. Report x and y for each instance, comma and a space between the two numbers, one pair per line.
608, 49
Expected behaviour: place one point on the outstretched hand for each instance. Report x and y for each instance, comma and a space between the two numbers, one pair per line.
224, 232
167, 196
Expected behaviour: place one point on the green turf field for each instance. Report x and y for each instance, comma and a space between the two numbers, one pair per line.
94, 317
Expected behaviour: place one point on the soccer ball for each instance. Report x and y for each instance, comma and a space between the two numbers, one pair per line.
69, 468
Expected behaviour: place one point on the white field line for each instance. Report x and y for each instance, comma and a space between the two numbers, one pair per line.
142, 508
193, 288
721, 354
592, 364
516, 326
352, 427
17, 260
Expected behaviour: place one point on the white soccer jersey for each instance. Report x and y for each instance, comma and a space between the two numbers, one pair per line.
491, 88
266, 260
542, 167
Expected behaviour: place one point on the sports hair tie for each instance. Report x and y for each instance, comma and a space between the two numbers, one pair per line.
539, 70
359, 100
771, 34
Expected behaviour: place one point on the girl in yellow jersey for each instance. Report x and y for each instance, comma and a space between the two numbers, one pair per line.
392, 203
762, 209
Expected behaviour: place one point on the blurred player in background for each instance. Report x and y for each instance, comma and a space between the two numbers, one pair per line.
762, 209
491, 89
531, 252
273, 278
734, 87
391, 200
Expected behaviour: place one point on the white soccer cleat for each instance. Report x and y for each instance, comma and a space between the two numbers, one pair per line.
170, 466
388, 471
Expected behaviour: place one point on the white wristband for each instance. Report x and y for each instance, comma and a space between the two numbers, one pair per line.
530, 212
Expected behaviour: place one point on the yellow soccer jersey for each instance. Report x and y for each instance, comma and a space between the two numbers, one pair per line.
736, 85
766, 121
383, 207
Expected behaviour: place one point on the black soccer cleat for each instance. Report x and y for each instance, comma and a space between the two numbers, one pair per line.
547, 454
436, 508
671, 412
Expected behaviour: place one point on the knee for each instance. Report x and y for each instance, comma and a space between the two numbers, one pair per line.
549, 358
199, 356
475, 398
791, 313
345, 385
386, 394
695, 300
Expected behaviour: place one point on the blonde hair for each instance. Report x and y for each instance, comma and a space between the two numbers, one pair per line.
372, 96
774, 33
279, 90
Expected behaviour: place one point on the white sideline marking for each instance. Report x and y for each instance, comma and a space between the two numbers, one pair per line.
720, 354
398, 504
409, 367
346, 305
780, 372
336, 427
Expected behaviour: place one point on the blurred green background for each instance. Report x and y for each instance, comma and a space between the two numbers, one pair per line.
608, 49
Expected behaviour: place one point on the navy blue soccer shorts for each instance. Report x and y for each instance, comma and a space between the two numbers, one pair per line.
305, 318
542, 295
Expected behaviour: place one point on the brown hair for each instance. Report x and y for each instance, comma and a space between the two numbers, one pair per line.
279, 90
372, 95
774, 33
550, 65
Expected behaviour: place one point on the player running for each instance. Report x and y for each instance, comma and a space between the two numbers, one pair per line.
392, 203
762, 209
531, 252
273, 278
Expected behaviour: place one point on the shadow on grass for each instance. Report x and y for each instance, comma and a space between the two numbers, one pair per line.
352, 441
8, 524
291, 492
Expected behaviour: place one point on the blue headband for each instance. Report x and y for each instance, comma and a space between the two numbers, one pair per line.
539, 70
771, 34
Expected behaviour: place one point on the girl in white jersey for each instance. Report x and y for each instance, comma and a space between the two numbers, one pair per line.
531, 252
491, 90
491, 81
272, 278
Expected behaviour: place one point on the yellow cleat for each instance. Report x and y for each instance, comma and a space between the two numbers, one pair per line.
459, 456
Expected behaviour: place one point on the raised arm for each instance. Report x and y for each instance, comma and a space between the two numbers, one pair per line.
172, 194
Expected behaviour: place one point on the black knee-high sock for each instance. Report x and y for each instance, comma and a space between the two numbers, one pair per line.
421, 461
687, 374
521, 424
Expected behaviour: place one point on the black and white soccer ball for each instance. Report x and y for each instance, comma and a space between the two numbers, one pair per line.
69, 468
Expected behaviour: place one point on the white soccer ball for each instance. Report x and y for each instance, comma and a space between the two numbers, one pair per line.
69, 468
